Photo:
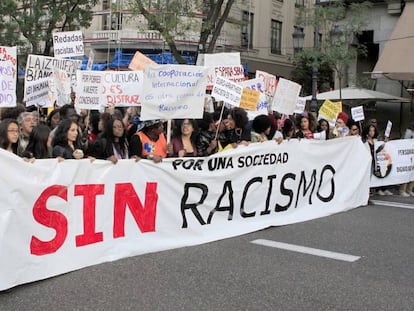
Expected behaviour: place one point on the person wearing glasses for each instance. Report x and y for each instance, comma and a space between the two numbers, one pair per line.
9, 135
183, 142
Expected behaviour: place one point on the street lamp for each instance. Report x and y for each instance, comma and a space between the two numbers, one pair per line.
298, 39
315, 70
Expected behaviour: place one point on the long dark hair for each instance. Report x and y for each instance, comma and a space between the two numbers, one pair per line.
61, 135
4, 138
108, 134
37, 146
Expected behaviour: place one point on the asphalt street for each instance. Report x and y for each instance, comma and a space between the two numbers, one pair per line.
236, 274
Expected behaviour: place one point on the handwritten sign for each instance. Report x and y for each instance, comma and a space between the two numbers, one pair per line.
329, 110
89, 90
286, 96
300, 105
270, 82
8, 75
67, 44
140, 61
173, 92
40, 67
249, 99
357, 113
90, 60
257, 84
60, 87
226, 65
227, 91
388, 129
122, 88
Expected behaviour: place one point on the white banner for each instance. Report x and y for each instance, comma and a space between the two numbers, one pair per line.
123, 88
57, 217
8, 76
173, 92
394, 163
68, 44
286, 96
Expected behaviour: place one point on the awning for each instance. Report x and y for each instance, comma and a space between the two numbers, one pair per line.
397, 59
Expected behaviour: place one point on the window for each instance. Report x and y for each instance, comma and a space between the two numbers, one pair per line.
247, 30
299, 3
298, 41
276, 37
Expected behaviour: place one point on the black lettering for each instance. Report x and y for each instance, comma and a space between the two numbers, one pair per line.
193, 206
332, 194
246, 188
269, 192
285, 191
306, 188
230, 208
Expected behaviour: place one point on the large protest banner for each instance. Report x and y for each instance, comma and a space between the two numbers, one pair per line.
40, 68
173, 92
68, 44
57, 217
394, 162
8, 76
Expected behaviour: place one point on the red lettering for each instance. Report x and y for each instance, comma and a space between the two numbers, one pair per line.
144, 216
89, 193
50, 219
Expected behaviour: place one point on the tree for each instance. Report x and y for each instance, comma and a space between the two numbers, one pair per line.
339, 24
36, 20
175, 17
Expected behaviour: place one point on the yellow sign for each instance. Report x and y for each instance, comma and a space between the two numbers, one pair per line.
249, 99
329, 110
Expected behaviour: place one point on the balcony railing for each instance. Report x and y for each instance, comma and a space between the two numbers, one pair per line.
150, 35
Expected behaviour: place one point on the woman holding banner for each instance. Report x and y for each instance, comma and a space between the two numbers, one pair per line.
183, 141
236, 132
112, 145
149, 141
66, 143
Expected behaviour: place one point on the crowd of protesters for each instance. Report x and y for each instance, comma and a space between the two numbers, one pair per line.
118, 133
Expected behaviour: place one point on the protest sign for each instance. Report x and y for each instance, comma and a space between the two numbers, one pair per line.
225, 65
256, 84
38, 93
73, 214
227, 91
60, 88
173, 92
40, 67
122, 88
90, 60
300, 105
286, 96
329, 110
140, 61
68, 44
249, 99
8, 76
388, 129
89, 90
357, 113
270, 82
394, 162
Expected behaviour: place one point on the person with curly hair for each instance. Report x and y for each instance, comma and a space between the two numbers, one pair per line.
237, 132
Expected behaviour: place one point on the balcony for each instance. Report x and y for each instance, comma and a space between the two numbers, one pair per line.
148, 39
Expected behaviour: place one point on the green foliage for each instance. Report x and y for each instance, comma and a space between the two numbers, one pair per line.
36, 20
338, 23
178, 17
